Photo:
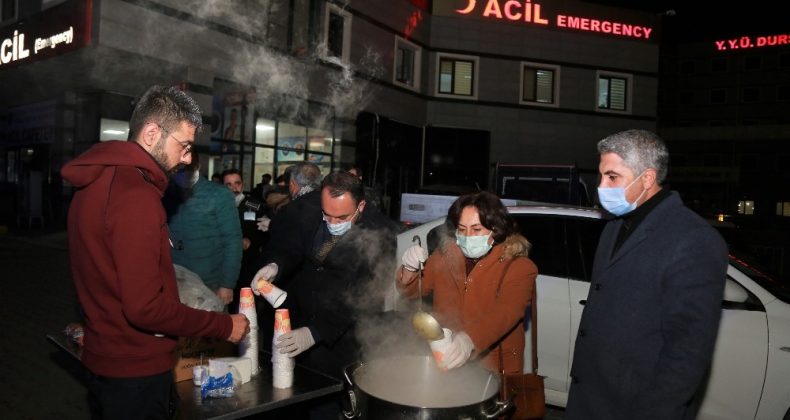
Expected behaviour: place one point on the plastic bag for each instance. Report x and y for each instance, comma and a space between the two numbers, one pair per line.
223, 386
194, 293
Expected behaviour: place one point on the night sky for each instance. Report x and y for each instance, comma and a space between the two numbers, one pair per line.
706, 21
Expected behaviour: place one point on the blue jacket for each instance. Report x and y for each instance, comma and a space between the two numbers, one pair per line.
648, 329
206, 235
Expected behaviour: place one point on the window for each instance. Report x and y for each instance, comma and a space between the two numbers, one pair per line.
457, 76
718, 96
7, 10
751, 94
337, 33
539, 84
613, 92
550, 249
746, 207
783, 208
753, 62
406, 68
718, 65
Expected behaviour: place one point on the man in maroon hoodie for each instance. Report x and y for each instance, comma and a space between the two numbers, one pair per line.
121, 265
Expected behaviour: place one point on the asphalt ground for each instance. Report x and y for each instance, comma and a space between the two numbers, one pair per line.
37, 380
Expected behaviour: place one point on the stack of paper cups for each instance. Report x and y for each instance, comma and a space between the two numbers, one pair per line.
248, 347
282, 365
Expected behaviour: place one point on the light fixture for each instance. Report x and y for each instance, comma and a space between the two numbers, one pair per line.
113, 132
264, 127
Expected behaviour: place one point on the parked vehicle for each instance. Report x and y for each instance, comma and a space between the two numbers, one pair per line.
750, 375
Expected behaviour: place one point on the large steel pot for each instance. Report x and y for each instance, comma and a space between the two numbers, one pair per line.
413, 387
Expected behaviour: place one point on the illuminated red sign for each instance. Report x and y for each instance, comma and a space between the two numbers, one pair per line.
745, 42
58, 30
532, 12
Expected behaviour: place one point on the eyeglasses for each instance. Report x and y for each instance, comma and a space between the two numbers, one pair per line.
186, 147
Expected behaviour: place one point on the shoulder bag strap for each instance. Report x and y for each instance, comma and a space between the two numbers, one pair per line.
533, 321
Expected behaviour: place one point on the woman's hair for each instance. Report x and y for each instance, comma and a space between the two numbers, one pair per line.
493, 215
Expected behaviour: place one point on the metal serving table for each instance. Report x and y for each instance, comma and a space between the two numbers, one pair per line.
254, 397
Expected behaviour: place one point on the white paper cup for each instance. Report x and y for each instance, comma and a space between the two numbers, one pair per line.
273, 294
438, 347
199, 374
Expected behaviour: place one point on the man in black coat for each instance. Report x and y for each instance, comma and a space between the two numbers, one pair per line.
648, 329
341, 273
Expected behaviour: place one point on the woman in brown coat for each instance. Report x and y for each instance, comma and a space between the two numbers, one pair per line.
482, 282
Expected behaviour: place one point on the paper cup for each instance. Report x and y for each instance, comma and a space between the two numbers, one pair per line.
282, 365
199, 374
247, 306
438, 347
273, 294
282, 322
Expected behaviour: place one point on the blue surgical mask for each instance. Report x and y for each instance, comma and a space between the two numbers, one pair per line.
473, 246
614, 201
341, 228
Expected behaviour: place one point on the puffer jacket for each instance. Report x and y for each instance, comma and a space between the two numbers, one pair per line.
207, 235
489, 304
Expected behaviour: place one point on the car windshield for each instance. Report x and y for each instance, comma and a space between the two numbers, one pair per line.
769, 282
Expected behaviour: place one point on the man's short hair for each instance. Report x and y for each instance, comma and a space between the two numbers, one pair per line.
232, 171
305, 174
341, 182
640, 150
166, 106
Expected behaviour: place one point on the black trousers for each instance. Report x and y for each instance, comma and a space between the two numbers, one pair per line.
144, 397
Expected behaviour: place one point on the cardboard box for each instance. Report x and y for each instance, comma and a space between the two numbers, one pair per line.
192, 351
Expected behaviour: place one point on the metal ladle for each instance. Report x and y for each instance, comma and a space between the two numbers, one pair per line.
424, 323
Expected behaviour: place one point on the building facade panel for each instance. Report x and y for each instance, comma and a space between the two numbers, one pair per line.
337, 83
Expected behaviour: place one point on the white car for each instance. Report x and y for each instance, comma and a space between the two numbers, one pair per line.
750, 377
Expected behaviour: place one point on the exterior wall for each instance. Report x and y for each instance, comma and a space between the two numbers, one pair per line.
213, 48
519, 133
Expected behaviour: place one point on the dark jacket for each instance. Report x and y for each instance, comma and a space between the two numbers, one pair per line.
332, 296
292, 227
647, 332
207, 235
121, 266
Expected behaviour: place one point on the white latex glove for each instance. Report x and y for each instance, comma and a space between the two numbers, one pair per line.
295, 342
268, 272
263, 223
458, 351
413, 256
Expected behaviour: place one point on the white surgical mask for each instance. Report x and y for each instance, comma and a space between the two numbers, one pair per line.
473, 246
341, 228
613, 199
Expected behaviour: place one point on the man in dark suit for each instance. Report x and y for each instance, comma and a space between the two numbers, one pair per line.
341, 267
648, 329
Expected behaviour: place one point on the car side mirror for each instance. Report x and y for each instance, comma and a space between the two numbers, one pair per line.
734, 292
